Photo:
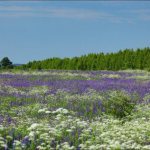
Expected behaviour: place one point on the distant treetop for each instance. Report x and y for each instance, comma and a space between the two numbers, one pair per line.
5, 63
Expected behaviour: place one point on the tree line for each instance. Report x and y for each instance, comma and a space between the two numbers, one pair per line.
123, 59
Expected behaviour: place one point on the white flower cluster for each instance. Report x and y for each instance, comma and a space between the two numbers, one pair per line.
57, 111
38, 90
110, 76
11, 90
2, 127
103, 133
61, 111
2, 143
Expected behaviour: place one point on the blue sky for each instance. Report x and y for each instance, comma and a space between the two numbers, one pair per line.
38, 30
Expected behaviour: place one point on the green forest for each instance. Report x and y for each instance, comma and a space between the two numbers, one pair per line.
123, 59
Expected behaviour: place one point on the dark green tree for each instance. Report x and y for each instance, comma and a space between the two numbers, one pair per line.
6, 63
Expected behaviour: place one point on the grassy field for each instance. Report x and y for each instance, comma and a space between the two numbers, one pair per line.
74, 110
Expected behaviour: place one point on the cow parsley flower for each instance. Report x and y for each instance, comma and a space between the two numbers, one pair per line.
33, 126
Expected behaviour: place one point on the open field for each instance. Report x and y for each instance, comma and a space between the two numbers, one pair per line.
74, 110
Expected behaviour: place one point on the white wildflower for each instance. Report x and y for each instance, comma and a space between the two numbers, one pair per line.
68, 130
42, 110
17, 143
31, 134
1, 128
47, 112
33, 126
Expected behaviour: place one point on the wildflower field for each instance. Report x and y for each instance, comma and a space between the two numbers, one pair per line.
74, 110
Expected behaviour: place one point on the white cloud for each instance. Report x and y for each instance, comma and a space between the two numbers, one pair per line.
137, 14
145, 17
15, 8
70, 13
78, 13
139, 11
75, 13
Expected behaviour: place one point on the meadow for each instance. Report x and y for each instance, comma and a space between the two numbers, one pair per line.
74, 110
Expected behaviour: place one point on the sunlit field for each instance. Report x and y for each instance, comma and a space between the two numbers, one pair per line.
74, 110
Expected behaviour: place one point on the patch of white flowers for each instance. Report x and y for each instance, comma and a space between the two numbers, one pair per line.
110, 76
61, 111
104, 132
11, 89
2, 143
39, 90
